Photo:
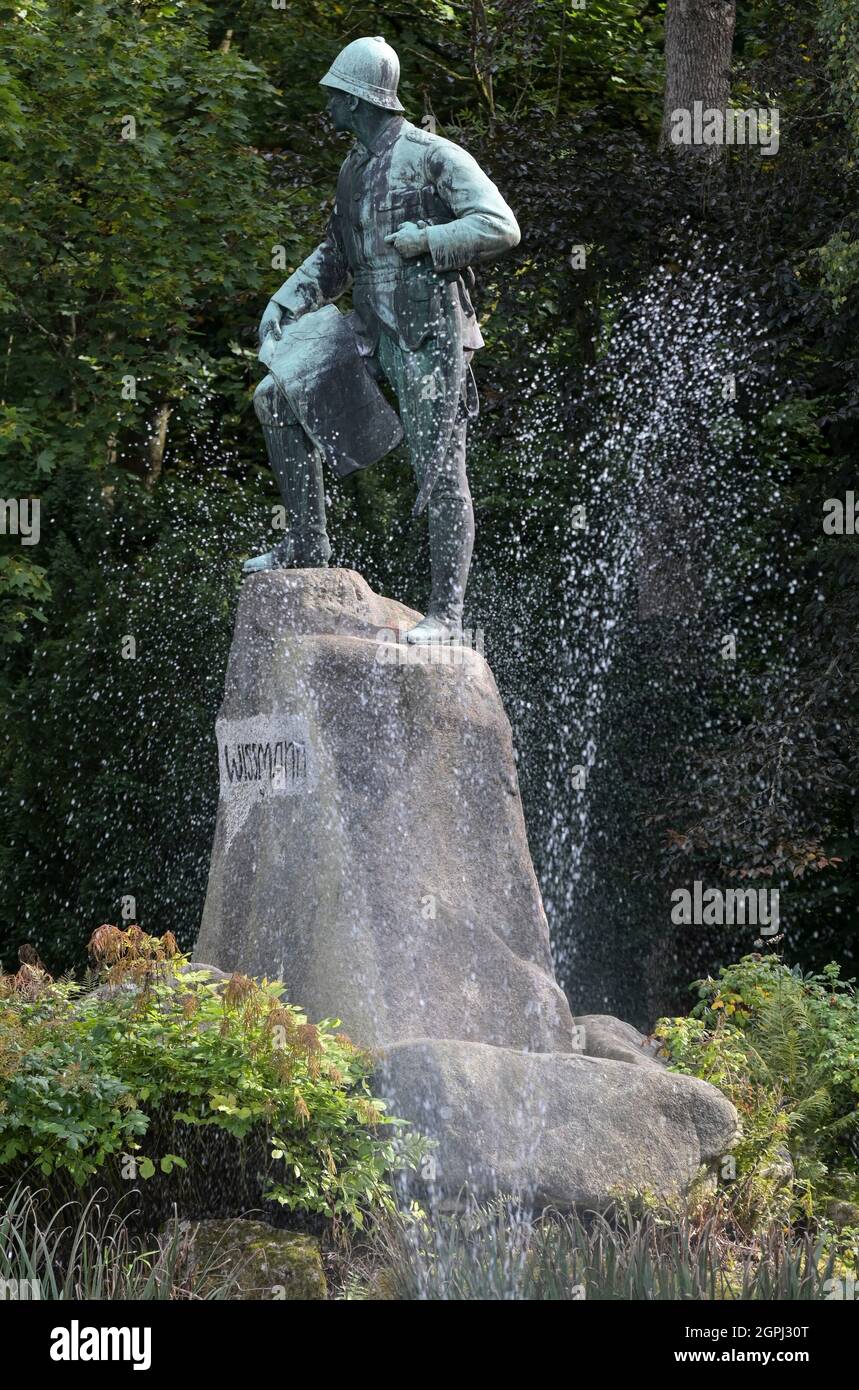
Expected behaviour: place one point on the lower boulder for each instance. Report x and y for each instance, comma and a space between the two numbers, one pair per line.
559, 1129
249, 1261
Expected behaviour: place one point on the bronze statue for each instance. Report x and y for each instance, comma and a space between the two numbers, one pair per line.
413, 212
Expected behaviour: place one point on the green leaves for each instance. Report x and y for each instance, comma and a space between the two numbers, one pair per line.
146, 1167
135, 204
24, 589
784, 1048
84, 1079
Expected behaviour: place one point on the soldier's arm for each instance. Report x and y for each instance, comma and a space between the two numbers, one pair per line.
484, 226
321, 278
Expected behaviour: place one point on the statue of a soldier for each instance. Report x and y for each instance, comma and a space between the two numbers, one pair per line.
412, 213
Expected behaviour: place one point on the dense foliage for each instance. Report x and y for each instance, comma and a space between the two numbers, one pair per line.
784, 1048
90, 1080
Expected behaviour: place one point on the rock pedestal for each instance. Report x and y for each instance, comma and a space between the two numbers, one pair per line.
370, 848
371, 852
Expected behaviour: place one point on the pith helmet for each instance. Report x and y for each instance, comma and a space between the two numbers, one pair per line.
367, 68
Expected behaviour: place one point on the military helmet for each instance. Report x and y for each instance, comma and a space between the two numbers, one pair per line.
367, 68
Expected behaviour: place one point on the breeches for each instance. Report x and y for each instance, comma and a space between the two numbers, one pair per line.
419, 383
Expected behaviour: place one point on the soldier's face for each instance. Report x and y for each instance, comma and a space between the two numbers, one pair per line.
339, 108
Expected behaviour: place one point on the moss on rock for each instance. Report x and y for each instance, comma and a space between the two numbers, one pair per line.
250, 1261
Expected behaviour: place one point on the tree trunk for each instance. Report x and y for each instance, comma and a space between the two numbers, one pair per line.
699, 36
482, 49
158, 443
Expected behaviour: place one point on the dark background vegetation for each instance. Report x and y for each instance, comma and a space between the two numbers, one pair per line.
153, 258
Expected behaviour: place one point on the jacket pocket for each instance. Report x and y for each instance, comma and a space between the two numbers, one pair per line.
399, 197
419, 304
399, 206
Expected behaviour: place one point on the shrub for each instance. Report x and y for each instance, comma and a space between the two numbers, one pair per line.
119, 1082
784, 1048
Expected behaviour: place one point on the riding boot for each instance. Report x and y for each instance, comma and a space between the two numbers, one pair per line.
451, 535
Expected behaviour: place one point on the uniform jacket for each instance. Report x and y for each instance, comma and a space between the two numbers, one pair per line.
409, 175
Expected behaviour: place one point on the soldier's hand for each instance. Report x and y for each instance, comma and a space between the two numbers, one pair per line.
409, 240
271, 321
